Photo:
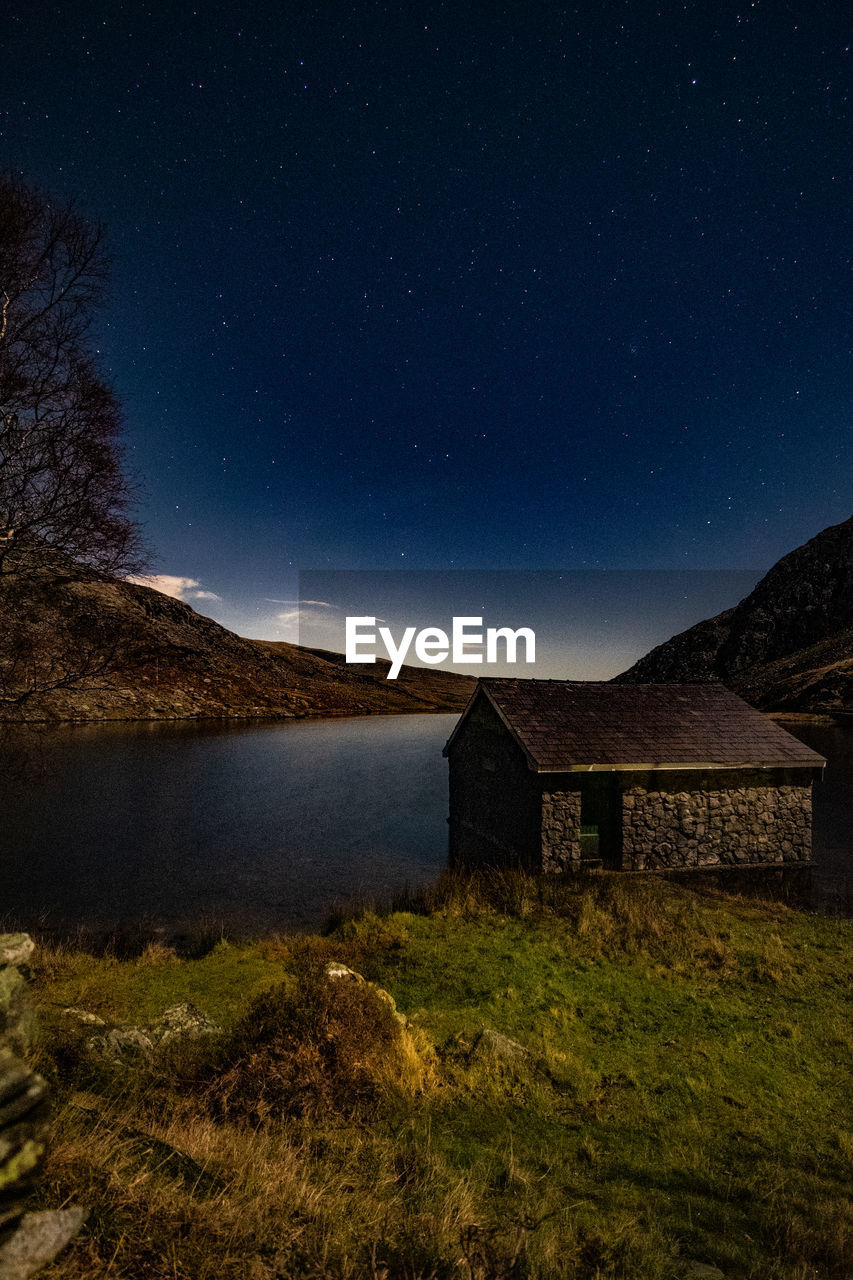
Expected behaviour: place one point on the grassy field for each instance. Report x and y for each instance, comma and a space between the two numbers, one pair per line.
684, 1100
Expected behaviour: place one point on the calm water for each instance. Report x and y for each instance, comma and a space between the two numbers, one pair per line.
252, 825
264, 826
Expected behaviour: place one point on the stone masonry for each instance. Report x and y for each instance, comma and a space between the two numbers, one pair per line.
714, 824
561, 823
28, 1240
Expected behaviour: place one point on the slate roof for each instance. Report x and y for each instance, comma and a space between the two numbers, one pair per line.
565, 725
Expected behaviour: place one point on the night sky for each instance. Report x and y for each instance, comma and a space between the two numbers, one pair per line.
442, 286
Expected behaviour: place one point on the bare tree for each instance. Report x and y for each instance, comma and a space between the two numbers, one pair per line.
64, 498
63, 492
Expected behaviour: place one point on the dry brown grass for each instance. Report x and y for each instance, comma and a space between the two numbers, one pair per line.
284, 1202
311, 1046
145, 1222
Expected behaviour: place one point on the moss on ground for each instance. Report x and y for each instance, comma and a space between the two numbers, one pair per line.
137, 990
686, 1097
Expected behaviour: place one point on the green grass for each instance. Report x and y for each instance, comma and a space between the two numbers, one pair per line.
687, 1096
136, 991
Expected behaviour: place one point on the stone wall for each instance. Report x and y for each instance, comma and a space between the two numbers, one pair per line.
561, 831
28, 1241
715, 819
494, 798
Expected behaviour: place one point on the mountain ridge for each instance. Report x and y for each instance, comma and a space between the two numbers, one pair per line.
787, 646
170, 662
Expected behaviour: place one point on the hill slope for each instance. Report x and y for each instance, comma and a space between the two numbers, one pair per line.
788, 646
173, 663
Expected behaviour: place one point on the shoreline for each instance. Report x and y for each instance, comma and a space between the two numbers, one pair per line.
241, 717
825, 718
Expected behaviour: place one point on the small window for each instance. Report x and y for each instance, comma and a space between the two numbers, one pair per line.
589, 841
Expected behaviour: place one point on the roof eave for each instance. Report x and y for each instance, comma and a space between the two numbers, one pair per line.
680, 766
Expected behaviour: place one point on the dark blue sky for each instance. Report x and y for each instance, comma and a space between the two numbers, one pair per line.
444, 286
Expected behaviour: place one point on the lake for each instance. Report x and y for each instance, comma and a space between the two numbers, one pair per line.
260, 826
255, 825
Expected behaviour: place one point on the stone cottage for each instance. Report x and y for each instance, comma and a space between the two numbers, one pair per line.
554, 774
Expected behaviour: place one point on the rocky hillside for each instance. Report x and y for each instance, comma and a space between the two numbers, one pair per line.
788, 646
169, 662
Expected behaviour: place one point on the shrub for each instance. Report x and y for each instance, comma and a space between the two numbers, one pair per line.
308, 1046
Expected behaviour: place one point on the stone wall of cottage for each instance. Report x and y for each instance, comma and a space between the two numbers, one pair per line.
561, 830
494, 798
715, 819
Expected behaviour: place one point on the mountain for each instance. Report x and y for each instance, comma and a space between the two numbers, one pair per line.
788, 646
168, 662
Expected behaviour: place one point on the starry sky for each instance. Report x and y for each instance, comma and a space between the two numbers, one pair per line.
438, 286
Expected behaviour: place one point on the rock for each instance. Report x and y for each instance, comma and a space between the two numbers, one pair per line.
335, 969
702, 1271
16, 1013
37, 1240
27, 1241
494, 1045
83, 1015
16, 949
22, 1115
122, 1045
182, 1022
21, 1090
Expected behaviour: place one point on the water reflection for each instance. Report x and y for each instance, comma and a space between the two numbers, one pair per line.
254, 825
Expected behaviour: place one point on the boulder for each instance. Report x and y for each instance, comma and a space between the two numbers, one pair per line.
16, 1014
37, 1241
124, 1045
23, 1112
16, 949
182, 1022
84, 1016
493, 1045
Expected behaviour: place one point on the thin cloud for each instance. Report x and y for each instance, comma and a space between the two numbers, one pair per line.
294, 615
305, 611
321, 604
171, 584
168, 584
